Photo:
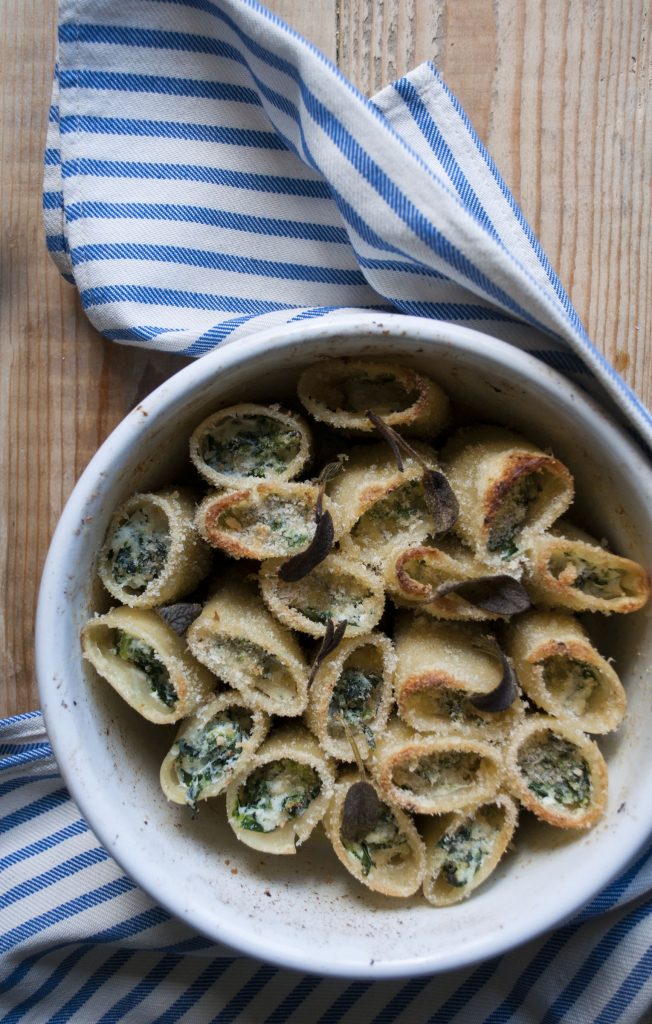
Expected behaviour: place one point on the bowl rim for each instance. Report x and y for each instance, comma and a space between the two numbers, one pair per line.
534, 374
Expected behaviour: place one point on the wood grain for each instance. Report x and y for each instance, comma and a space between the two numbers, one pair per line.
561, 93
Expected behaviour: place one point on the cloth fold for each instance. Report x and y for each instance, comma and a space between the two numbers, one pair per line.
81, 943
208, 173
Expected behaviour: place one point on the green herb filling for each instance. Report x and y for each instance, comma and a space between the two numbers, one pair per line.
466, 850
139, 549
250, 445
443, 773
401, 510
208, 752
512, 515
555, 771
385, 836
274, 794
144, 658
570, 681
355, 697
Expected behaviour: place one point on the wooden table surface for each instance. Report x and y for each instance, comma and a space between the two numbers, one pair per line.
559, 91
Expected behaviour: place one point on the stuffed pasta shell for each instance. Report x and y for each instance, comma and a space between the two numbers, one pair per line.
464, 848
508, 490
376, 503
557, 772
152, 554
352, 689
562, 673
146, 663
388, 856
339, 588
441, 666
270, 520
236, 447
414, 574
210, 747
238, 640
569, 569
434, 774
338, 392
276, 803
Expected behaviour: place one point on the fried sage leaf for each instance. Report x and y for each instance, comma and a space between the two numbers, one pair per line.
504, 695
332, 638
320, 545
361, 812
440, 499
438, 493
500, 594
179, 616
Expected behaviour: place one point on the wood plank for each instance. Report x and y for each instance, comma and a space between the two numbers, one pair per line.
561, 94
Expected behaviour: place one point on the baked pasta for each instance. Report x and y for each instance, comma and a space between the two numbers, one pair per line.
219, 740
270, 520
238, 446
338, 392
275, 804
567, 568
562, 673
146, 663
432, 774
152, 554
464, 848
340, 588
389, 856
237, 639
557, 772
440, 667
508, 490
352, 689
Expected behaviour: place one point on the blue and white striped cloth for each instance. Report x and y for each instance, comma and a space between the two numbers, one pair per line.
208, 173
81, 943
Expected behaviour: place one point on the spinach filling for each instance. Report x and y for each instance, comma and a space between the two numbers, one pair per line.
292, 526
555, 771
594, 580
385, 836
320, 596
466, 849
512, 515
144, 658
355, 698
242, 661
440, 773
208, 752
404, 507
139, 549
250, 445
274, 794
571, 681
383, 393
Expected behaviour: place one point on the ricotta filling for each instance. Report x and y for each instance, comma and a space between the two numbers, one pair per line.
440, 774
356, 696
400, 512
280, 526
464, 851
555, 771
324, 595
209, 752
382, 393
601, 581
516, 510
276, 793
151, 669
385, 842
250, 445
573, 683
139, 548
242, 662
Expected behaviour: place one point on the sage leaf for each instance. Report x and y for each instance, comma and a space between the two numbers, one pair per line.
179, 616
504, 695
361, 812
440, 499
390, 436
331, 639
500, 594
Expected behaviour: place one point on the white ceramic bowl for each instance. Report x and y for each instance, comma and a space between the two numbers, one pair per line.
305, 911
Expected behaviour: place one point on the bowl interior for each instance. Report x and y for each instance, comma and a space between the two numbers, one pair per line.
305, 911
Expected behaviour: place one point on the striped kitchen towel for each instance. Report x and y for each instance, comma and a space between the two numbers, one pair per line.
208, 173
80, 943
